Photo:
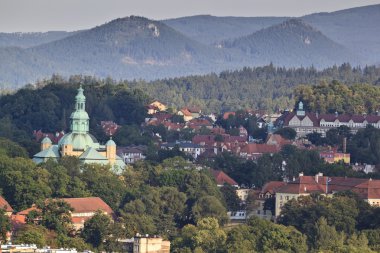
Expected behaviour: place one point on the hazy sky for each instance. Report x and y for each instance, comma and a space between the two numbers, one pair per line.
47, 15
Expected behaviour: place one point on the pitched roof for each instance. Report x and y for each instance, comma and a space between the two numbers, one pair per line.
5, 205
226, 115
254, 148
222, 178
89, 204
365, 188
92, 154
51, 152
272, 186
186, 112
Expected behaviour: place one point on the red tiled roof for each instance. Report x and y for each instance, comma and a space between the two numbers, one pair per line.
254, 148
276, 139
272, 186
186, 112
222, 178
80, 205
26, 211
86, 205
365, 188
226, 115
5, 205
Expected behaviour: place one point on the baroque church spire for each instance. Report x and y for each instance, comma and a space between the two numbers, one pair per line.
79, 118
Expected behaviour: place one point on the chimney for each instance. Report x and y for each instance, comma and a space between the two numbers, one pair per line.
300, 174
317, 176
344, 145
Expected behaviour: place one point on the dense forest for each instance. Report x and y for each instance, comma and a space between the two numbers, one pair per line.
267, 87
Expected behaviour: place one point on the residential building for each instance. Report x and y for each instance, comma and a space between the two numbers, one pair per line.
267, 193
187, 115
185, 146
334, 157
84, 209
5, 206
79, 142
253, 151
367, 189
222, 178
150, 244
131, 154
155, 107
306, 122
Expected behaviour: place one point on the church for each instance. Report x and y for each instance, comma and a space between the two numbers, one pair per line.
79, 142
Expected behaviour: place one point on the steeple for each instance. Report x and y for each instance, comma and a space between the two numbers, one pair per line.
79, 118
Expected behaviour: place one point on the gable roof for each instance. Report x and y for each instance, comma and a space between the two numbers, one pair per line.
255, 148
5, 205
272, 186
89, 204
222, 178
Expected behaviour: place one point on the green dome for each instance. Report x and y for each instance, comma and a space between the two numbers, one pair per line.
79, 141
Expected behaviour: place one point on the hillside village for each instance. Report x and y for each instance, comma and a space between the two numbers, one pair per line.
248, 164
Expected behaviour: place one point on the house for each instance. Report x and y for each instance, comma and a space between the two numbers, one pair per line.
84, 209
222, 178
145, 244
131, 154
185, 146
334, 157
5, 206
306, 122
195, 112
155, 106
253, 151
198, 123
367, 189
267, 193
187, 115
278, 140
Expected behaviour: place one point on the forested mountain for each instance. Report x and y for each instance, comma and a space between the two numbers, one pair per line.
355, 28
211, 30
25, 40
267, 87
292, 43
139, 48
127, 48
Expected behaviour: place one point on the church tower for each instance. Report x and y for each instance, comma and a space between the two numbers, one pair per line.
79, 118
46, 143
111, 151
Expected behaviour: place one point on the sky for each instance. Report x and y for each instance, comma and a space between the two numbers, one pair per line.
70, 15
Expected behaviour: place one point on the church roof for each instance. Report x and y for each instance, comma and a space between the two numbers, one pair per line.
51, 152
46, 140
92, 154
79, 141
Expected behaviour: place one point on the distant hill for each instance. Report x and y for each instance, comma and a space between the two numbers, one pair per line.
139, 48
25, 40
292, 43
356, 28
128, 48
210, 29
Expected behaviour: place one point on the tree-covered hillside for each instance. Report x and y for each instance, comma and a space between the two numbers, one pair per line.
292, 43
267, 88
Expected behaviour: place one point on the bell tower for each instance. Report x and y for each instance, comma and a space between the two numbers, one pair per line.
79, 118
